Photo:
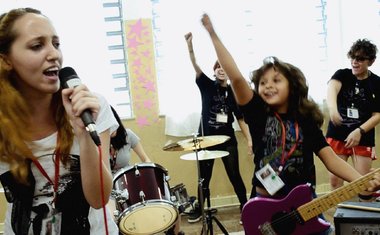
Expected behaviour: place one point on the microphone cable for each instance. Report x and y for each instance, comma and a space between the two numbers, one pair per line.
102, 189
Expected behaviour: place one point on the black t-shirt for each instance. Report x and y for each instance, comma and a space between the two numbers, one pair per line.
215, 100
267, 135
361, 95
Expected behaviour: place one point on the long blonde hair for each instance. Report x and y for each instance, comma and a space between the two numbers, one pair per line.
15, 113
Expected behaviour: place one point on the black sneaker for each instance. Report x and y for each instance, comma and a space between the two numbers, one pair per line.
194, 216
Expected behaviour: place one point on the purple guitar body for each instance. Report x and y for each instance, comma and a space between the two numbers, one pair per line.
280, 216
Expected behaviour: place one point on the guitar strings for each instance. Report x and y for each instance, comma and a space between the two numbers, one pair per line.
287, 217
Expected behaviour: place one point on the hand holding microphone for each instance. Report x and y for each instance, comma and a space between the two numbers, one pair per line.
69, 79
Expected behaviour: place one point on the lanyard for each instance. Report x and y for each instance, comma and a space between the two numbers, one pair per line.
285, 156
222, 98
56, 172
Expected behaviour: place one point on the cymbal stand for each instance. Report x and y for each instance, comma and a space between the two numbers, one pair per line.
210, 217
200, 184
206, 218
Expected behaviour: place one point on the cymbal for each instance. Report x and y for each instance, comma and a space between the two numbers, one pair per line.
200, 142
205, 155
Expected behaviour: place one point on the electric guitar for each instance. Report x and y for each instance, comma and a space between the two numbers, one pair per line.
297, 213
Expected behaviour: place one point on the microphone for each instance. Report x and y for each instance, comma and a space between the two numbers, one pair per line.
69, 79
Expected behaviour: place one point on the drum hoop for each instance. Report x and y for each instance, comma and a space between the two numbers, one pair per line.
122, 170
161, 202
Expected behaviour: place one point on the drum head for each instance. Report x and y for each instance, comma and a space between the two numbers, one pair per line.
151, 217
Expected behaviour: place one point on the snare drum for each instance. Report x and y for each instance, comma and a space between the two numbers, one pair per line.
180, 197
143, 200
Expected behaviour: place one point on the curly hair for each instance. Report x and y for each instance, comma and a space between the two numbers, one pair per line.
364, 47
300, 104
15, 139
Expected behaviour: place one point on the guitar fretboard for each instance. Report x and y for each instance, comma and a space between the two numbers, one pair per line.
327, 201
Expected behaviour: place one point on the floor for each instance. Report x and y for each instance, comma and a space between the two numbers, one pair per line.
229, 218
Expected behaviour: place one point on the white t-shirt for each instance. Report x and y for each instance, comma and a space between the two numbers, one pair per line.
69, 193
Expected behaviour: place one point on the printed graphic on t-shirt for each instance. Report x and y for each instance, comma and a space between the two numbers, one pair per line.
69, 198
273, 152
354, 106
219, 107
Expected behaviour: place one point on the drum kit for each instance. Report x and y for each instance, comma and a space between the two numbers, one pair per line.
145, 204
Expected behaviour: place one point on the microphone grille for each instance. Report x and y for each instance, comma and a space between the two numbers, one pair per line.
66, 73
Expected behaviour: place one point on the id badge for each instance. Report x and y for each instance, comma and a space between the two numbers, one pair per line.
221, 117
270, 180
51, 225
353, 113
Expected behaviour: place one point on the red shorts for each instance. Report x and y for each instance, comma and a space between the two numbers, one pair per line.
339, 149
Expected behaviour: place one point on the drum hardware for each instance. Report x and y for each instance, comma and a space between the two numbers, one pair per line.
197, 144
120, 196
180, 197
167, 178
137, 172
207, 217
142, 197
116, 213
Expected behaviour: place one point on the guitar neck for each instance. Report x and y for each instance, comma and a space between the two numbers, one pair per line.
327, 201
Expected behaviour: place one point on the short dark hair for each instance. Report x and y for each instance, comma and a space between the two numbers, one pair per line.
363, 46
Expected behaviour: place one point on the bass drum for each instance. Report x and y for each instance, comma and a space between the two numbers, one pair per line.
142, 197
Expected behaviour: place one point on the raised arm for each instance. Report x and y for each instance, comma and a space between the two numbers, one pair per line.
189, 40
243, 92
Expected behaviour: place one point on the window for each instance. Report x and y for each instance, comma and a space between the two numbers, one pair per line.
113, 12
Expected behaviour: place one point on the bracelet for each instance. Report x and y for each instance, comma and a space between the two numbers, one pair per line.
362, 132
365, 197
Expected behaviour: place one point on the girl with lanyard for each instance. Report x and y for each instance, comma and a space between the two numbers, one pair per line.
218, 110
284, 124
353, 99
54, 176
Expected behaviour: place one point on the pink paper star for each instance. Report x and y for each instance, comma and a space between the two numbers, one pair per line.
142, 121
141, 79
148, 104
133, 43
137, 63
137, 28
149, 86
146, 53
